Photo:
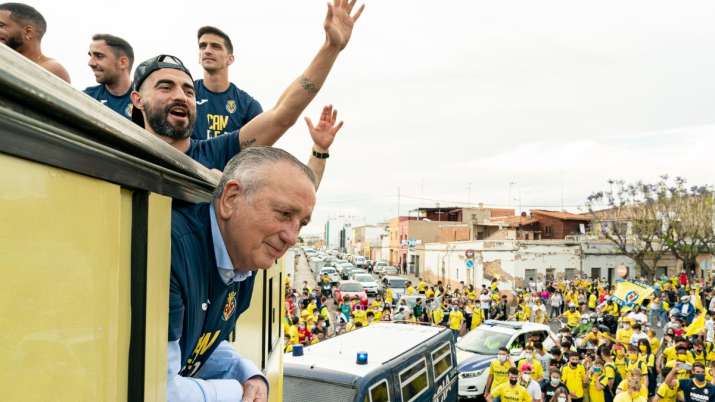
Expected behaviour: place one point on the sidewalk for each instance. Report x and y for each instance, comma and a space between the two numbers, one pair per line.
302, 273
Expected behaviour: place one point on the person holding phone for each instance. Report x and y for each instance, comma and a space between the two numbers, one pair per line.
695, 389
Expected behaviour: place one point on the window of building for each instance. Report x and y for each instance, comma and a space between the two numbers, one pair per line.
550, 274
661, 271
530, 275
413, 381
570, 273
595, 273
442, 361
548, 230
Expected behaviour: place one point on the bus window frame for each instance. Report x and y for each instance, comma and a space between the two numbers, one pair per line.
439, 358
387, 385
402, 384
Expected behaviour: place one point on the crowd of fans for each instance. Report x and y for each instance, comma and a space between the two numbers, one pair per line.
658, 350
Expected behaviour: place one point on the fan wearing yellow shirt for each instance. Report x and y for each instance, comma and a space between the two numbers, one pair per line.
499, 371
422, 286
634, 373
624, 334
574, 377
537, 370
455, 320
572, 316
429, 293
654, 341
633, 392
681, 357
477, 317
437, 315
620, 360
410, 289
668, 390
592, 302
389, 296
510, 390
597, 383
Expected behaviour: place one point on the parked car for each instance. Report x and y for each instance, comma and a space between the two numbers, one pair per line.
479, 347
380, 362
379, 266
344, 270
349, 289
368, 283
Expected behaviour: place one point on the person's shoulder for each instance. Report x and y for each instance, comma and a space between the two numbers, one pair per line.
187, 218
93, 91
55, 68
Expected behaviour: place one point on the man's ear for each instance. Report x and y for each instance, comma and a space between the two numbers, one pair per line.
227, 204
137, 100
28, 31
231, 59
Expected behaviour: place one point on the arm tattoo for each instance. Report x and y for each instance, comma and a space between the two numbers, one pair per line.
308, 85
247, 143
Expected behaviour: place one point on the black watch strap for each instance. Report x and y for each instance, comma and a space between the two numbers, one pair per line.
321, 155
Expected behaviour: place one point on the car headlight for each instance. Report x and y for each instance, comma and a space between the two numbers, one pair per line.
471, 374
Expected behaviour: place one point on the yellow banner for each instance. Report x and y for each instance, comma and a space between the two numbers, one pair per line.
629, 293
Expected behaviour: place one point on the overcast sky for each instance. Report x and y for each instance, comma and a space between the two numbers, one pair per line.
452, 101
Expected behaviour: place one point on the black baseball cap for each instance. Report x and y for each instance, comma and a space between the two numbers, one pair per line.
146, 68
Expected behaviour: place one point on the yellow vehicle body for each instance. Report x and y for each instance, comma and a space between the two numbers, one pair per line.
85, 225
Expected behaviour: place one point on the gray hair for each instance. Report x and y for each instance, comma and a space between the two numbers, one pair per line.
247, 167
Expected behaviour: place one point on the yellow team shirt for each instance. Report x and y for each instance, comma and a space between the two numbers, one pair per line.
429, 293
410, 291
628, 397
437, 315
360, 316
621, 364
293, 333
573, 318
472, 295
592, 300
669, 353
623, 388
477, 317
654, 344
455, 320
499, 372
573, 378
508, 393
595, 394
422, 286
389, 295
537, 372
666, 393
624, 336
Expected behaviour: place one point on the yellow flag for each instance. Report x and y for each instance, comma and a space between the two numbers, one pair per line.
697, 326
629, 293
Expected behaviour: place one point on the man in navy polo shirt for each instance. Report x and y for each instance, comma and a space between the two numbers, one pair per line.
164, 97
111, 59
221, 106
264, 198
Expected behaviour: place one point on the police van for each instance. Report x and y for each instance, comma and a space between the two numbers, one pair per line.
383, 362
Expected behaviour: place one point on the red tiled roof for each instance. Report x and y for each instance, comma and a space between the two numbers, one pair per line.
566, 216
513, 221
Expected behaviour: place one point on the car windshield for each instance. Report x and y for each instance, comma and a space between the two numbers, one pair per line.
351, 287
397, 283
483, 341
363, 278
328, 270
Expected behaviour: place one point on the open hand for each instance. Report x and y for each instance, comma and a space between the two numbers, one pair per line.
339, 23
324, 132
255, 390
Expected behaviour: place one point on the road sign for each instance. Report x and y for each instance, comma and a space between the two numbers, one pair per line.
469, 253
470, 263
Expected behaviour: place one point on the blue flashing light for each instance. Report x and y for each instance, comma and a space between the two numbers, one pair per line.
297, 350
361, 358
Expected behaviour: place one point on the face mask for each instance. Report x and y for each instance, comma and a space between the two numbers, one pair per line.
526, 377
512, 381
626, 326
573, 364
528, 356
502, 358
699, 377
632, 356
620, 354
561, 399
643, 349
596, 370
555, 382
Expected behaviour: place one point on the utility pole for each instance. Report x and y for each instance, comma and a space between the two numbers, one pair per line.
398, 202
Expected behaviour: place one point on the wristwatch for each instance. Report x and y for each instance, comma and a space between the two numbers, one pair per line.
321, 155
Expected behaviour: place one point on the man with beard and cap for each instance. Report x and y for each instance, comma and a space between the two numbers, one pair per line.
21, 29
111, 59
164, 97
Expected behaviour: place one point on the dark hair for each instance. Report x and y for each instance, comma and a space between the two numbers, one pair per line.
574, 354
513, 370
24, 14
119, 46
215, 31
699, 364
503, 349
